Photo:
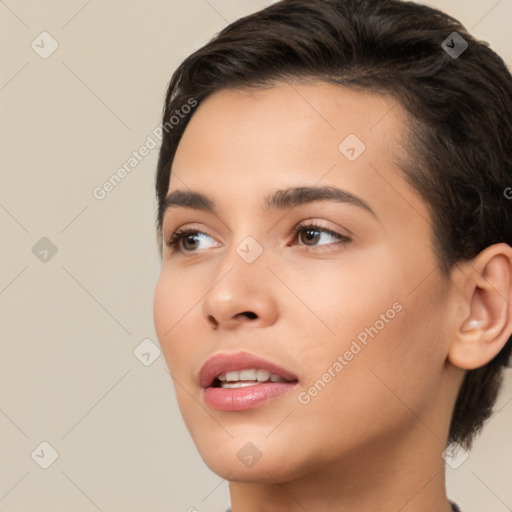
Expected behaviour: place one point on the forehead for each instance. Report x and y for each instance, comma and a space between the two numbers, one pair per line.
253, 141
291, 125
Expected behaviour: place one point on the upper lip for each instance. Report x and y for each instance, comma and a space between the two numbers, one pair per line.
225, 362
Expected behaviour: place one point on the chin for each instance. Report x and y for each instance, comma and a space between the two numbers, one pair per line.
260, 461
264, 472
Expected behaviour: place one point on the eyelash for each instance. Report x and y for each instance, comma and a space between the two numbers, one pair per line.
177, 236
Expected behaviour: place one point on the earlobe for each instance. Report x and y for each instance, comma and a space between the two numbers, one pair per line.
486, 325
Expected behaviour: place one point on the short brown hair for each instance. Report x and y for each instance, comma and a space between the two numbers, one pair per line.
460, 111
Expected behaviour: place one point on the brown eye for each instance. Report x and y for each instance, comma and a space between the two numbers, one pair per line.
309, 236
189, 240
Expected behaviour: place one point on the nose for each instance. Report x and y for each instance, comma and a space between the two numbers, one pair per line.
241, 295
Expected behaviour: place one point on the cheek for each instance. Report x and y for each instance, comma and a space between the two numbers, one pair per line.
176, 293
163, 306
373, 327
173, 303
339, 302
358, 391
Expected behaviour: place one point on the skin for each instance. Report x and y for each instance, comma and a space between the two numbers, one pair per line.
373, 436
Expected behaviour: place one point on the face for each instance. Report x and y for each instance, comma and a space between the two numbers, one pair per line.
312, 254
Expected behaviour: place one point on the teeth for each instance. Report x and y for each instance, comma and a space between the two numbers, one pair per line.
232, 376
237, 384
248, 377
262, 375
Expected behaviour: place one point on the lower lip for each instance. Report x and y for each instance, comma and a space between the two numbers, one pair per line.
241, 399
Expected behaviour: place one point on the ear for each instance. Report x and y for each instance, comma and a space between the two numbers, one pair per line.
485, 322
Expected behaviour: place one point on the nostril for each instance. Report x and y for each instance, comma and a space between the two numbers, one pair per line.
249, 314
213, 322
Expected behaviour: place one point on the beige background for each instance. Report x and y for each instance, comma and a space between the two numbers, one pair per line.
70, 325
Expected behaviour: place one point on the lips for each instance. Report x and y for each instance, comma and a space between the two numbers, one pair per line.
221, 364
236, 382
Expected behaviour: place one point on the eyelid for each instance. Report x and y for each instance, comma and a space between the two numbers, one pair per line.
325, 225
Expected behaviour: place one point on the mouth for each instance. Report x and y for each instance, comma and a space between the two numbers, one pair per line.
244, 378
236, 382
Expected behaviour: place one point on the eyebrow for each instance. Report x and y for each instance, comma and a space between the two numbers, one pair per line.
279, 200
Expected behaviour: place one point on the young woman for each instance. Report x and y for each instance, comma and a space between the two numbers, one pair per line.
334, 303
